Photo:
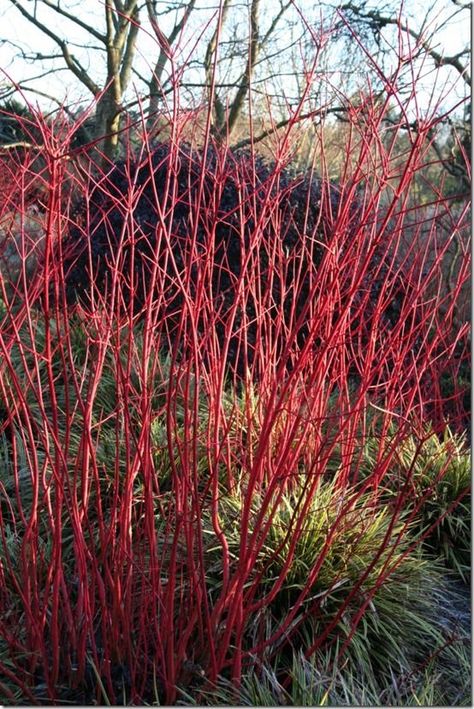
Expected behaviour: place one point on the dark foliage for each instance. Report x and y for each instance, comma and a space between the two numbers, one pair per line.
259, 222
15, 123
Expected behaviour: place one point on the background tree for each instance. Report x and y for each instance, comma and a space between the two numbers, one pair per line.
117, 37
451, 142
237, 57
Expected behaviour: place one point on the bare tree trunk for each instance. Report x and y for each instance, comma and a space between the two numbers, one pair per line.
120, 41
107, 123
210, 63
166, 44
225, 119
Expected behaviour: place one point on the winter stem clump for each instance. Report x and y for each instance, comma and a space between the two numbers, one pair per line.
233, 451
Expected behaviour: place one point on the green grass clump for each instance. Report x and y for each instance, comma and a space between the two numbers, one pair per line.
370, 562
319, 682
437, 471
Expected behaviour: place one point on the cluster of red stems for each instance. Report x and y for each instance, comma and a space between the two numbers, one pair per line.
135, 601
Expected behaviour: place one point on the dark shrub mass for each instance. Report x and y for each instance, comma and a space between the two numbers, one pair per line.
222, 228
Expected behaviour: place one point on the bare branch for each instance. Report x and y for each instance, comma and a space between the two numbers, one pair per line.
210, 62
381, 21
318, 113
455, 168
165, 44
160, 36
71, 61
73, 18
253, 51
268, 34
129, 53
13, 146
119, 7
